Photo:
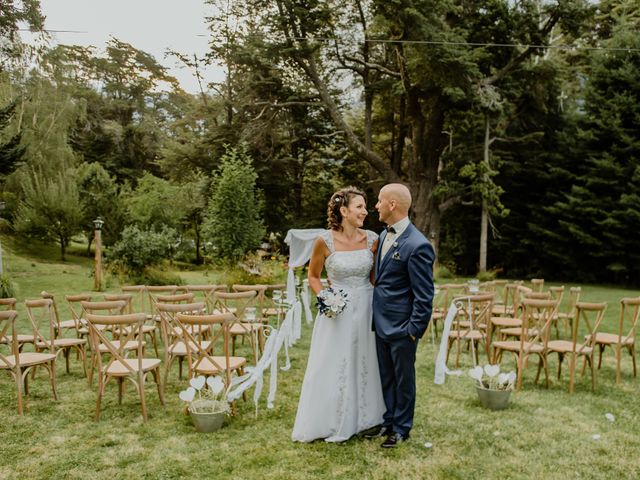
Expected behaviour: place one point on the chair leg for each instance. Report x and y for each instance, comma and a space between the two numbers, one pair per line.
53, 379
632, 352
120, 389
156, 377
618, 352
560, 360
154, 342
520, 368
572, 371
66, 357
601, 349
99, 397
18, 378
142, 399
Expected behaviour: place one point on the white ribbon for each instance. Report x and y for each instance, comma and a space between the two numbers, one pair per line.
441, 360
269, 359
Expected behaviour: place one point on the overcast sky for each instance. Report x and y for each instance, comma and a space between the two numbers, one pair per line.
149, 25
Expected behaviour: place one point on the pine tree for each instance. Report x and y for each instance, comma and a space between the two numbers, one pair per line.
233, 223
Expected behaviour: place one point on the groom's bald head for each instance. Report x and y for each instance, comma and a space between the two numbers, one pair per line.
394, 202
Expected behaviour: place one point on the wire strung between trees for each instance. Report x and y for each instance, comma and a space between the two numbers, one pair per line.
421, 42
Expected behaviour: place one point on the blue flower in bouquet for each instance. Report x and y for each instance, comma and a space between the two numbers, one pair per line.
331, 302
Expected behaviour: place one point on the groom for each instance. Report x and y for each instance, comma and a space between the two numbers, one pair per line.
402, 301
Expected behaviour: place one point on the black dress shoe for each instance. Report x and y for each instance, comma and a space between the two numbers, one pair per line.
394, 439
377, 432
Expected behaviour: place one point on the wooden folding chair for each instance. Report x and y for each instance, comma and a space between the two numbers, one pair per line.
567, 317
10, 304
201, 356
114, 307
148, 329
19, 364
205, 291
474, 311
507, 307
534, 337
154, 290
537, 284
126, 327
74, 303
242, 305
62, 326
624, 338
509, 322
591, 315
43, 319
171, 332
139, 293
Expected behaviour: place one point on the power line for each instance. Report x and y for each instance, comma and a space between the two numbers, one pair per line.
50, 31
425, 42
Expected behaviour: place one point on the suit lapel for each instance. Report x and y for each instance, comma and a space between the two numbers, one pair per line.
383, 235
399, 241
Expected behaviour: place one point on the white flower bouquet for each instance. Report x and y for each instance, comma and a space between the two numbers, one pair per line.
331, 302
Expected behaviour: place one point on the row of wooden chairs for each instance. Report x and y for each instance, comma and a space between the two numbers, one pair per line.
169, 314
528, 332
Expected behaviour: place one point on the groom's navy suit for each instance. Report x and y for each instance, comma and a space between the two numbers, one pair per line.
402, 303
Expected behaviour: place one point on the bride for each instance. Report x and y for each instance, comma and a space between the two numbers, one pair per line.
341, 392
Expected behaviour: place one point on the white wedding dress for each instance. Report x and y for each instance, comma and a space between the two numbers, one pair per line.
341, 392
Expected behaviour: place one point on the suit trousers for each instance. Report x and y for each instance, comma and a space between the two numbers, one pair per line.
396, 358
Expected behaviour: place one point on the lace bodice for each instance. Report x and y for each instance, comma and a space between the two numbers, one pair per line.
349, 268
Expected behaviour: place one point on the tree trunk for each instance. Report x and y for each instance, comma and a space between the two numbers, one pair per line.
484, 218
196, 231
63, 249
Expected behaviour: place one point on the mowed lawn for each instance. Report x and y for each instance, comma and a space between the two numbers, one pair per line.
545, 433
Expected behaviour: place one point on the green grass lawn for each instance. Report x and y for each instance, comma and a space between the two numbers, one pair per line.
545, 433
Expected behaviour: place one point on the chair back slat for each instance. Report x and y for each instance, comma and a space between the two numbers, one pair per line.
629, 314
590, 314
8, 323
42, 318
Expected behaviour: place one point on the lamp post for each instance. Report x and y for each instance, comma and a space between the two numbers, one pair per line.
97, 223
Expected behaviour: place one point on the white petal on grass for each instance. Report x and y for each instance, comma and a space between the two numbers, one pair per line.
610, 417
428, 445
595, 436
496, 433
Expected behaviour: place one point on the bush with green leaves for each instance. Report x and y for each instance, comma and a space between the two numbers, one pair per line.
233, 221
7, 287
139, 249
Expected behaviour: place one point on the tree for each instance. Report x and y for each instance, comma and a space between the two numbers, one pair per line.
600, 216
50, 208
12, 14
411, 51
156, 203
100, 197
233, 222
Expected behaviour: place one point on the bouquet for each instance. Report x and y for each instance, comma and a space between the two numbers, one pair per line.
331, 302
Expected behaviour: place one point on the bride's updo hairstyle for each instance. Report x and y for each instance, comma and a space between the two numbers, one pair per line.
341, 198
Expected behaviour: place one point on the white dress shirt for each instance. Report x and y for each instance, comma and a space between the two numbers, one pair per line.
399, 227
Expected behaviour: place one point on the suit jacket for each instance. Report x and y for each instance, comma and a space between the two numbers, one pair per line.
403, 293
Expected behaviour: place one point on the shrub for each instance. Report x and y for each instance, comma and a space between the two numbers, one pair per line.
442, 271
7, 287
140, 249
